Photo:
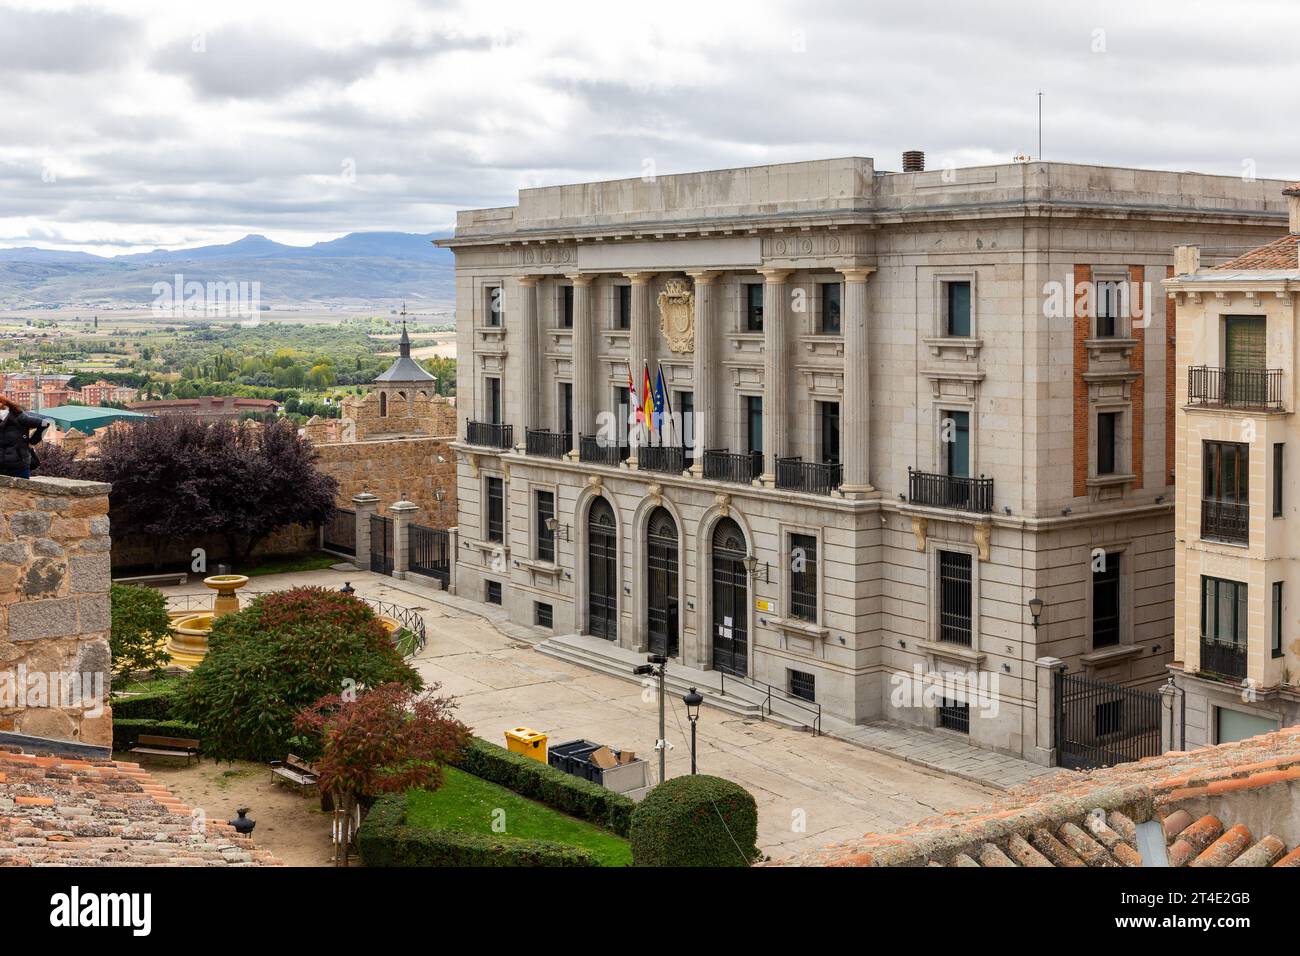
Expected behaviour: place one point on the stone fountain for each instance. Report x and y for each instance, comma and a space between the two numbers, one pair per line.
189, 638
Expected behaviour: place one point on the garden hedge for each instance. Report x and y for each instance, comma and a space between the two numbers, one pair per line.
695, 820
126, 731
152, 705
556, 789
385, 839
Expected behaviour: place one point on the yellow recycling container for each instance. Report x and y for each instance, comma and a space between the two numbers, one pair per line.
526, 741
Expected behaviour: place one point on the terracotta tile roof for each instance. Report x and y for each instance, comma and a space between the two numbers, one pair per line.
69, 812
1278, 254
1292, 190
1091, 818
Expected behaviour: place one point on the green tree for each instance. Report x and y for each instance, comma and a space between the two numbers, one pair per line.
139, 629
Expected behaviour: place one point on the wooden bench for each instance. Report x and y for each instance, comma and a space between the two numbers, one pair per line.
166, 747
296, 770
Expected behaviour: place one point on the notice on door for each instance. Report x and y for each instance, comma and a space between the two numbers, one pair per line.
724, 629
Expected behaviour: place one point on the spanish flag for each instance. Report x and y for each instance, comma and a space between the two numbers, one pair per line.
649, 396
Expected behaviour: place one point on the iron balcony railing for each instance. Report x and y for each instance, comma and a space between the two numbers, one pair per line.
1234, 387
950, 491
1223, 658
489, 434
668, 458
820, 478
592, 449
547, 444
741, 469
1224, 520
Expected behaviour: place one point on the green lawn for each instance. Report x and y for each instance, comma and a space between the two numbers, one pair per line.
467, 804
289, 563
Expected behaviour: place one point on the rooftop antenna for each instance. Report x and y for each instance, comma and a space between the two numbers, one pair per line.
1040, 125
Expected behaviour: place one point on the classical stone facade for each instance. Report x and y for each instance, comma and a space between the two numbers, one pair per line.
54, 611
1237, 634
908, 422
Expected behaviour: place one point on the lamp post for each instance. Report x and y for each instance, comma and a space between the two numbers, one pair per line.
1035, 610
657, 667
750, 563
692, 699
347, 588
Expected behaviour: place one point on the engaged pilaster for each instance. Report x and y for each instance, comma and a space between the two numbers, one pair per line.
775, 370
639, 341
584, 361
705, 360
855, 417
526, 414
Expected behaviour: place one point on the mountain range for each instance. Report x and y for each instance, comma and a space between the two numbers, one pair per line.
359, 269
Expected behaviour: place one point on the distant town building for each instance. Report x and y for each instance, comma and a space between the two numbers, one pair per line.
34, 390
215, 407
101, 392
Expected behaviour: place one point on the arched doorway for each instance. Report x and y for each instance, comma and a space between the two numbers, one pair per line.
730, 600
661, 583
602, 571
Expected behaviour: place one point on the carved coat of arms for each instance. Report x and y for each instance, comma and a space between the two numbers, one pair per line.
677, 316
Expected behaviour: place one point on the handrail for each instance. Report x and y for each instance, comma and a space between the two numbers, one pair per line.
812, 707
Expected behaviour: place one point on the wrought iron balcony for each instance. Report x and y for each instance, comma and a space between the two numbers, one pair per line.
591, 448
1234, 387
950, 491
818, 477
1224, 520
1226, 659
741, 469
547, 444
667, 458
489, 434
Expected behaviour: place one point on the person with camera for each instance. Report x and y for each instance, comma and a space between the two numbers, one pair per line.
20, 430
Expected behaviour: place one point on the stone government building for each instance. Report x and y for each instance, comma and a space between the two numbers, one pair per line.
874, 376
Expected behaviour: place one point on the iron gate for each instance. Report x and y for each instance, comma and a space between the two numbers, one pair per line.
602, 571
1099, 724
340, 532
730, 600
661, 583
381, 544
429, 553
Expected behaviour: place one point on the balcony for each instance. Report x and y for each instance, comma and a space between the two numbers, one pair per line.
1224, 659
489, 434
666, 458
741, 469
820, 478
1224, 520
593, 449
1234, 387
950, 491
547, 444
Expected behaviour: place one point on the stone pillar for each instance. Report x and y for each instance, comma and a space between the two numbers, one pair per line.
1172, 734
776, 366
705, 370
453, 556
640, 339
584, 361
527, 363
403, 513
855, 415
364, 504
1043, 752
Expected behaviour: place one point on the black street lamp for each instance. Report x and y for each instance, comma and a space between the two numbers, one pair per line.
1035, 610
692, 699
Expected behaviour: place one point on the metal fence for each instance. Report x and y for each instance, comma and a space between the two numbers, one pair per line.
340, 532
1234, 387
429, 553
1099, 724
950, 491
821, 478
381, 544
741, 469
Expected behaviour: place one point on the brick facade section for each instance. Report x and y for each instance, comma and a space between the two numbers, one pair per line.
1171, 373
1082, 318
1137, 279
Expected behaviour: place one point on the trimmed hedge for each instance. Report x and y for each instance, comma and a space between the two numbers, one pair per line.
696, 820
385, 840
556, 789
151, 705
128, 730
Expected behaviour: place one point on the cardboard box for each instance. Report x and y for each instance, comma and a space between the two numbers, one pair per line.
604, 758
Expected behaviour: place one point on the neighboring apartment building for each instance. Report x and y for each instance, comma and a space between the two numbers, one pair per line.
902, 433
34, 390
1237, 644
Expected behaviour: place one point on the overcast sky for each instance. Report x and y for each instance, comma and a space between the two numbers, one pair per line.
126, 126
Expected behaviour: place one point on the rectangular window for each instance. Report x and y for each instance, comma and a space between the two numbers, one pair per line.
1107, 427
684, 427
954, 715
493, 307
1278, 457
803, 577
545, 511
830, 315
493, 592
1223, 611
955, 438
1105, 602
1245, 342
623, 316
566, 407
754, 422
1225, 491
493, 409
496, 510
566, 306
754, 307
1276, 642
543, 615
955, 598
958, 308
1108, 309
828, 423
803, 685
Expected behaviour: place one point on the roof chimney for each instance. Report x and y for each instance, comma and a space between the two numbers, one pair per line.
1292, 194
914, 161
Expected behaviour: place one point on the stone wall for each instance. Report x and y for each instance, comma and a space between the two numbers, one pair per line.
136, 551
414, 468
54, 609
398, 410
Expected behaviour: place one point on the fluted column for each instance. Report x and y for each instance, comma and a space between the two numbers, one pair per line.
584, 361
855, 415
776, 367
706, 296
526, 414
639, 340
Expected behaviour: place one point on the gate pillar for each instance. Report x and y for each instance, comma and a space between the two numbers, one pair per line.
364, 504
403, 513
1043, 752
